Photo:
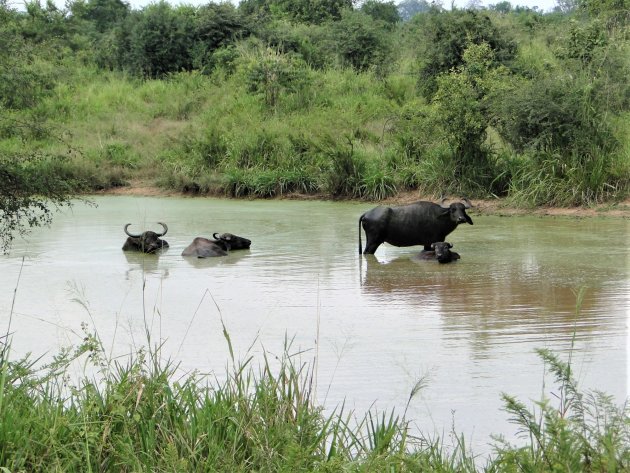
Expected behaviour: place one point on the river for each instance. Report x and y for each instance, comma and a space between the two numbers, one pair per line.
370, 326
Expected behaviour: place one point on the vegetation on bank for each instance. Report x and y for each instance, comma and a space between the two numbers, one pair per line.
332, 98
142, 415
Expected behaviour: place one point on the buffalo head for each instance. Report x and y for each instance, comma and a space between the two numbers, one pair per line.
229, 241
146, 242
457, 211
443, 252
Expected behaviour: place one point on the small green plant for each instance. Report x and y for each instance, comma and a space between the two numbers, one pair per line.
585, 432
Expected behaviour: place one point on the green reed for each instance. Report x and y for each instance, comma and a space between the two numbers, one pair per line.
142, 414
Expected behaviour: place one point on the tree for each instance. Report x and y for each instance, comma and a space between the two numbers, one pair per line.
32, 187
386, 12
449, 34
502, 7
274, 75
102, 13
158, 40
407, 9
302, 11
216, 26
361, 41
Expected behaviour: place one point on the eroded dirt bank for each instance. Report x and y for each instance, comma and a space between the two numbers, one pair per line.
486, 206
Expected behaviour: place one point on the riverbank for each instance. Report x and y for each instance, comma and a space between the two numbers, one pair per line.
485, 206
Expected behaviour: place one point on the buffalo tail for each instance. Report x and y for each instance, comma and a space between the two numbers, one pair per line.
360, 245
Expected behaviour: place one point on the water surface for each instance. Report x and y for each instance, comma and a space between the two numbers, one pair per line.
372, 325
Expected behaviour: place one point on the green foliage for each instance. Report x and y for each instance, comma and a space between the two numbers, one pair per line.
585, 432
449, 34
407, 9
343, 177
216, 28
31, 188
502, 7
302, 11
386, 12
28, 70
156, 41
617, 9
103, 14
257, 100
141, 413
554, 114
461, 100
362, 43
274, 75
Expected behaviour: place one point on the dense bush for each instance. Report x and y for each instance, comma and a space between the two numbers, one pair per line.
362, 42
448, 34
268, 98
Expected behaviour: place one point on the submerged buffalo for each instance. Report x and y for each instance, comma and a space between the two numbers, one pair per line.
205, 248
420, 223
441, 251
147, 242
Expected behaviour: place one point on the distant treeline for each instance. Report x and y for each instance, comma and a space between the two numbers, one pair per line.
329, 97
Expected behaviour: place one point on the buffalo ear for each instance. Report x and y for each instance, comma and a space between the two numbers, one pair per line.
469, 220
433, 246
450, 245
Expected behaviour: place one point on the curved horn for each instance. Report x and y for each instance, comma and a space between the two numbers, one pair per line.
442, 203
130, 234
216, 236
466, 202
165, 229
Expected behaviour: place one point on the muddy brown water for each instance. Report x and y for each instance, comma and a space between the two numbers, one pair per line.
370, 326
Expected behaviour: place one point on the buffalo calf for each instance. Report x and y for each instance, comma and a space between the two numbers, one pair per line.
441, 251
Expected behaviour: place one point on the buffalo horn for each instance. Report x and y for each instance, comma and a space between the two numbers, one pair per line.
130, 234
216, 236
444, 199
165, 229
466, 202
450, 245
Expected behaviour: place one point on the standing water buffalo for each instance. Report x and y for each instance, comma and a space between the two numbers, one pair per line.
420, 223
205, 248
147, 242
441, 252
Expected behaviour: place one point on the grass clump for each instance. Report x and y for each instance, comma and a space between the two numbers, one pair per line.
142, 415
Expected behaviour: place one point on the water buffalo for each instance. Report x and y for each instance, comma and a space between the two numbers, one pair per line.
420, 223
205, 248
147, 242
441, 251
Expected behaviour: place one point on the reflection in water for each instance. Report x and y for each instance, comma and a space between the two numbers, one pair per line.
520, 301
372, 323
233, 257
146, 263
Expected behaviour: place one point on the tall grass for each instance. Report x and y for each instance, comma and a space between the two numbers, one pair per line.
143, 415
357, 136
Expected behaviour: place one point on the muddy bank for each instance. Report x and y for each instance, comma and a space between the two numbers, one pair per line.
486, 206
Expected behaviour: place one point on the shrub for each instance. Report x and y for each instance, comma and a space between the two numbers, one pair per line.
274, 75
449, 34
361, 42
